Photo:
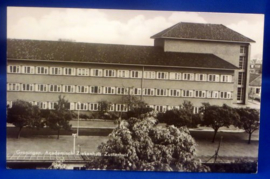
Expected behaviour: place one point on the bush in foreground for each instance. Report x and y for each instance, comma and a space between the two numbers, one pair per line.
139, 144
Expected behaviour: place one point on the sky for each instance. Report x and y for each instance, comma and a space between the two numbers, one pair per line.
129, 27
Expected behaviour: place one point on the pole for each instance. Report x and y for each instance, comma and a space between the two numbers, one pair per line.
142, 83
78, 123
74, 143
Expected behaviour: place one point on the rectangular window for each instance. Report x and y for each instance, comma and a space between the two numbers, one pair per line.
55, 70
213, 78
69, 71
109, 90
27, 87
82, 106
242, 49
258, 90
212, 94
13, 69
82, 89
161, 92
41, 70
175, 76
42, 105
93, 106
160, 108
109, 73
82, 72
162, 75
188, 76
242, 61
13, 86
96, 72
121, 90
187, 93
96, 89
196, 110
241, 78
69, 89
111, 108
225, 95
28, 69
200, 94
135, 74
123, 73
137, 91
41, 87
51, 105
149, 91
174, 92
149, 74
226, 78
9, 104
200, 77
54, 88
121, 107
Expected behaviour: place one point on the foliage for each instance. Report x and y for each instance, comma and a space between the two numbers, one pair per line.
104, 106
218, 116
181, 117
249, 120
59, 118
24, 114
140, 144
140, 110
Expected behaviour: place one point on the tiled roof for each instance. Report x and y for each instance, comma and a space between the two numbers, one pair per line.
197, 31
255, 80
112, 54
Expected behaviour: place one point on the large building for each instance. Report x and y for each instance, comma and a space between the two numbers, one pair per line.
189, 61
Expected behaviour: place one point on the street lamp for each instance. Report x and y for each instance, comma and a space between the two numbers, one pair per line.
74, 143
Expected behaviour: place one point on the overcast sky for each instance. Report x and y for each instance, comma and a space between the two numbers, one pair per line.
120, 26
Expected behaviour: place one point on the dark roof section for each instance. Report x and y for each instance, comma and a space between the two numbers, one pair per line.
197, 31
111, 54
255, 80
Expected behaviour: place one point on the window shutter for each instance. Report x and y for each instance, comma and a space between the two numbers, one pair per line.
229, 78
172, 75
8, 68
191, 76
139, 74
191, 93
217, 78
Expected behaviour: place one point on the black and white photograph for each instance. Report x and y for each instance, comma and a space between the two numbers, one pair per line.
133, 90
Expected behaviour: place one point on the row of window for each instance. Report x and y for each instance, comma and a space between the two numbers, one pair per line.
118, 73
95, 106
118, 90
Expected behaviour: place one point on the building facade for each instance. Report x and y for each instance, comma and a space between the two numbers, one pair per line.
200, 67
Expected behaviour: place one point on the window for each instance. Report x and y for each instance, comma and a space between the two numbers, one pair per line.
52, 105
200, 77
82, 89
149, 74
69, 71
56, 71
258, 90
162, 75
123, 73
82, 106
196, 110
135, 74
226, 78
160, 108
240, 92
213, 78
41, 87
82, 71
96, 89
241, 78
137, 91
149, 91
41, 70
174, 92
9, 104
96, 72
93, 106
13, 86
28, 69
109, 90
212, 94
242, 61
225, 95
111, 108
242, 49
175, 76
121, 90
27, 87
161, 92
109, 73
188, 76
187, 93
69, 88
121, 107
13, 69
200, 94
42, 105
54, 88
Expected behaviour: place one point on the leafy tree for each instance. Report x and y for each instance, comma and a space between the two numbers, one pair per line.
24, 114
181, 117
249, 120
139, 110
104, 106
59, 118
139, 144
218, 116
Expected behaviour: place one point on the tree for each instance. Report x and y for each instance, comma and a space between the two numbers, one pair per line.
59, 118
249, 120
218, 116
139, 144
24, 114
139, 110
181, 117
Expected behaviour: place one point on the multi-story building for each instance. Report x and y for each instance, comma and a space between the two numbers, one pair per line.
194, 62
